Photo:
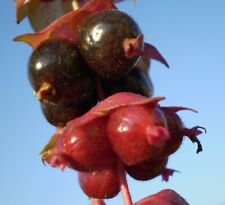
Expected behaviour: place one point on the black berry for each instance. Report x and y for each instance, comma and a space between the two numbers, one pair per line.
105, 39
136, 82
58, 73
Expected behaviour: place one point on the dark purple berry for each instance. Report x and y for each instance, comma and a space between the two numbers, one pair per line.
59, 114
58, 73
109, 42
136, 82
148, 169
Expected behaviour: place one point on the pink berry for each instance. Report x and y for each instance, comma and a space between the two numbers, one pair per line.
164, 197
137, 133
86, 147
177, 131
101, 184
148, 169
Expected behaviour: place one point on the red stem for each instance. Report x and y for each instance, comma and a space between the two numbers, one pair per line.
123, 183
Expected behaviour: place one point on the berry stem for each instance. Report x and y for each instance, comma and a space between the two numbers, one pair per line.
123, 183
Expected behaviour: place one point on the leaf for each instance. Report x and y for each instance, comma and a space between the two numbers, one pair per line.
50, 154
111, 103
177, 109
164, 197
52, 142
151, 52
67, 26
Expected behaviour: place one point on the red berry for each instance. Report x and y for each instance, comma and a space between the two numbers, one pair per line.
148, 169
101, 184
178, 131
164, 197
137, 133
86, 148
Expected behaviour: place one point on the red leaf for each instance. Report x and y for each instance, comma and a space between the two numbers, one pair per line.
164, 197
67, 26
177, 109
49, 153
111, 103
151, 52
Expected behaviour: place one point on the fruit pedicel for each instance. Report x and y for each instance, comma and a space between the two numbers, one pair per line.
89, 69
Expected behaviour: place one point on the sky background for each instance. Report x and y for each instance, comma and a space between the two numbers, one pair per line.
191, 36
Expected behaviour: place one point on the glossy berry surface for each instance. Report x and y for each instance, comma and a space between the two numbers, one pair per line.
135, 81
101, 39
175, 126
59, 114
148, 169
58, 73
86, 148
137, 133
101, 184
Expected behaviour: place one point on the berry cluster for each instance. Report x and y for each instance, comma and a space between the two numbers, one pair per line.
95, 88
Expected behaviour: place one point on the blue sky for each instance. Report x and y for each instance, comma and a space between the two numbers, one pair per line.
191, 36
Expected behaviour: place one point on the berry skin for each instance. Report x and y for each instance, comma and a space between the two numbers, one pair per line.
175, 127
144, 64
101, 184
111, 43
137, 133
58, 73
86, 148
59, 114
164, 197
148, 169
135, 81
177, 131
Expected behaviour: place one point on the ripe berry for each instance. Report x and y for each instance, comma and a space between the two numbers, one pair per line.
137, 133
111, 43
144, 64
148, 169
58, 73
101, 184
135, 81
86, 147
59, 114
